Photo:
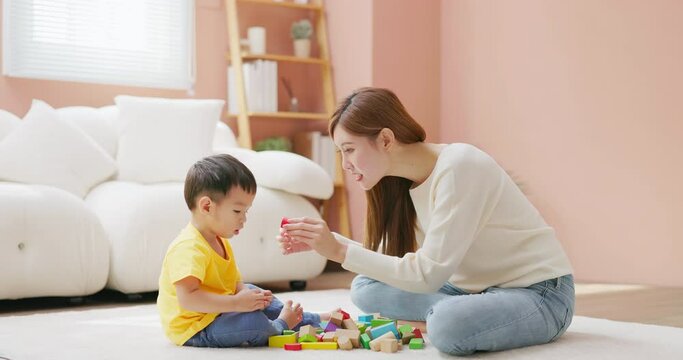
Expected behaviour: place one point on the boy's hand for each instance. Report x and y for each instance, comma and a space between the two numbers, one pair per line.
249, 300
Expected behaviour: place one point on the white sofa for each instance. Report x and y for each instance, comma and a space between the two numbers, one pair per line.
54, 242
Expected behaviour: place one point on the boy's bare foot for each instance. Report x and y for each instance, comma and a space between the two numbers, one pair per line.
291, 314
416, 324
325, 316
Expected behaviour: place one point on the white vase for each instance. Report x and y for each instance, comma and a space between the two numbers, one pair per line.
302, 47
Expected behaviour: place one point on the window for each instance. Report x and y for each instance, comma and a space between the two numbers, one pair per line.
147, 43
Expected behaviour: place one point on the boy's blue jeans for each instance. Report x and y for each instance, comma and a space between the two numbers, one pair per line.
459, 323
247, 328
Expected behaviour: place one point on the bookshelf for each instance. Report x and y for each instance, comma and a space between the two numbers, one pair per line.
236, 58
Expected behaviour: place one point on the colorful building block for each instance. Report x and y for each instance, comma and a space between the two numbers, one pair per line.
353, 335
416, 343
378, 331
308, 338
365, 341
293, 347
389, 345
337, 318
288, 332
418, 333
344, 343
329, 337
307, 330
284, 222
349, 324
331, 327
362, 326
279, 341
365, 317
320, 346
380, 321
375, 344
345, 315
405, 328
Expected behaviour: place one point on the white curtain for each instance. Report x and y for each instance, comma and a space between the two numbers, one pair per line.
147, 43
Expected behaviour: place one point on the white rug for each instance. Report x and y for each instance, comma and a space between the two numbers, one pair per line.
133, 332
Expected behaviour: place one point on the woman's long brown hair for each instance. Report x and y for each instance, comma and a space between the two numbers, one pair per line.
391, 214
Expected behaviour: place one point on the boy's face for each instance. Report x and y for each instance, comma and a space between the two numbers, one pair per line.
230, 213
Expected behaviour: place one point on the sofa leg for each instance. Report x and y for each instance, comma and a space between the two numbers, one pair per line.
76, 300
297, 285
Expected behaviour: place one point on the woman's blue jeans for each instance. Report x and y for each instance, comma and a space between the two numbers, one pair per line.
459, 323
233, 329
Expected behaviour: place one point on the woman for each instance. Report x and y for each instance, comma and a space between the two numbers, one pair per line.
449, 238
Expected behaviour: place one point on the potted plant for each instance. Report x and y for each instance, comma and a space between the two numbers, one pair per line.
301, 33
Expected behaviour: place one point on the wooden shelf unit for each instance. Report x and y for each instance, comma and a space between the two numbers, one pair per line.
236, 58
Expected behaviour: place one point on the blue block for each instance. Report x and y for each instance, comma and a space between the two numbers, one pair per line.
381, 330
365, 318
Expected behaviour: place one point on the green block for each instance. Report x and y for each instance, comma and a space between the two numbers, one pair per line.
365, 341
380, 322
362, 326
405, 329
319, 331
416, 343
288, 332
307, 338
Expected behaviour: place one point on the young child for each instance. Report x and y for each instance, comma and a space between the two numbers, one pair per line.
202, 299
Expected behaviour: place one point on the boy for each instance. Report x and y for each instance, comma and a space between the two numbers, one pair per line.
202, 300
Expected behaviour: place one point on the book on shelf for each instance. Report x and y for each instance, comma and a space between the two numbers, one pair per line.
317, 147
260, 82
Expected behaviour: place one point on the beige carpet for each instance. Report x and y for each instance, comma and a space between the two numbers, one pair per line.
133, 332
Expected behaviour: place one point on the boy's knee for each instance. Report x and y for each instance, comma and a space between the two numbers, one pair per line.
447, 333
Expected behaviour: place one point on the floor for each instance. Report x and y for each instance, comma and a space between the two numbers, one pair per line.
631, 303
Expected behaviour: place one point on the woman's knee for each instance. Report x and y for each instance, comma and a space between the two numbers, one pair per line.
363, 293
447, 332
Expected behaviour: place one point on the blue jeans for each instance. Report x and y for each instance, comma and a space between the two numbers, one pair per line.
459, 323
233, 329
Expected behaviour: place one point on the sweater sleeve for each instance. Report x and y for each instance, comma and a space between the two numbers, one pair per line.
463, 196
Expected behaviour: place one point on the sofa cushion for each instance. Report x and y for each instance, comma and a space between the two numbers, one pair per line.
290, 172
8, 122
45, 149
162, 138
94, 122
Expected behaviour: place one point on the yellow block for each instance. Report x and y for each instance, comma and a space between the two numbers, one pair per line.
319, 346
279, 341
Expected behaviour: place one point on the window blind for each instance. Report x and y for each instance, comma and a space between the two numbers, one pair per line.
148, 43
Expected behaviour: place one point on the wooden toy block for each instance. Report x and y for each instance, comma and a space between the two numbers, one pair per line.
376, 315
320, 337
331, 327
377, 331
344, 343
329, 337
319, 331
365, 341
323, 324
375, 343
416, 343
279, 341
307, 330
380, 321
319, 346
293, 347
345, 315
362, 326
406, 337
288, 332
284, 222
389, 345
418, 333
405, 329
308, 338
365, 318
353, 335
337, 318
368, 331
349, 324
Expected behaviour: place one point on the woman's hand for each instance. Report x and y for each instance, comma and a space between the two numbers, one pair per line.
302, 234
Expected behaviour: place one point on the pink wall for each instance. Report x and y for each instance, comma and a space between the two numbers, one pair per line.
393, 44
581, 100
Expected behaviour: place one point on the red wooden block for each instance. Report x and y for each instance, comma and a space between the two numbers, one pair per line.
320, 337
345, 315
284, 222
418, 333
293, 347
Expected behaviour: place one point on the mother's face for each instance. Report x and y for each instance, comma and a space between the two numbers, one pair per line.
362, 157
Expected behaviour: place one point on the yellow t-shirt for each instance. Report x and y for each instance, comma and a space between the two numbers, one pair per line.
190, 255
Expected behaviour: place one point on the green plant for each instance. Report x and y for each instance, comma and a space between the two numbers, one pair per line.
302, 29
279, 143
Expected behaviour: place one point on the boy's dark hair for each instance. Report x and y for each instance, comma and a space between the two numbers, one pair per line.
215, 176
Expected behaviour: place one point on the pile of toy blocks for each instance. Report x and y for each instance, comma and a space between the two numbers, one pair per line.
371, 332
